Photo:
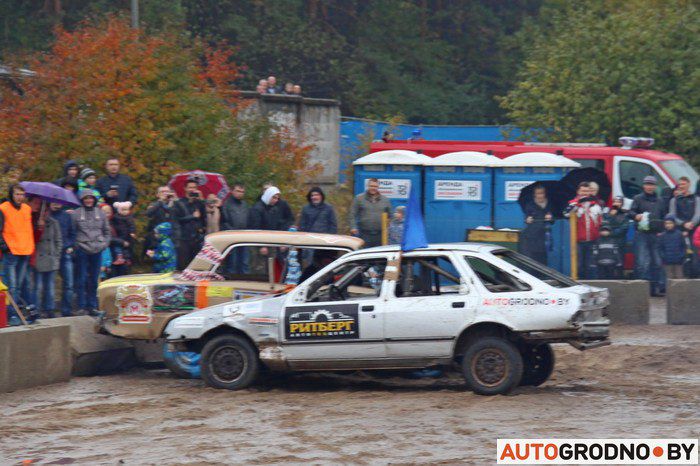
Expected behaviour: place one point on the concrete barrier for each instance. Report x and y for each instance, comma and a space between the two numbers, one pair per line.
149, 353
683, 302
92, 352
31, 356
629, 300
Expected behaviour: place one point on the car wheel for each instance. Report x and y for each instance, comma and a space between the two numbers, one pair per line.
492, 366
184, 364
230, 362
538, 364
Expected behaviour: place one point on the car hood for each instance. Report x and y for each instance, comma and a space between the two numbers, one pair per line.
236, 314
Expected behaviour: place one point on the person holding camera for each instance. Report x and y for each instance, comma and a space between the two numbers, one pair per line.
190, 215
589, 215
213, 214
116, 187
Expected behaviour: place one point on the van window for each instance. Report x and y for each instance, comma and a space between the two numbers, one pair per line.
632, 174
678, 168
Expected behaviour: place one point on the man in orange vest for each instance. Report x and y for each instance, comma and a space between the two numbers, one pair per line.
16, 238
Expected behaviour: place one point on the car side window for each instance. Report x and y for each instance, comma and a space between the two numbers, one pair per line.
632, 175
360, 279
427, 276
495, 279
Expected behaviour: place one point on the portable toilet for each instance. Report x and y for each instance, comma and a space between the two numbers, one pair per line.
516, 172
458, 194
397, 171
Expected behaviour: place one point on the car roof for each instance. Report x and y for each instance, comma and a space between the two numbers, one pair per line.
223, 239
467, 247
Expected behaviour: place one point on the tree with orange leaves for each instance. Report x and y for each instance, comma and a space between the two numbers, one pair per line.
160, 104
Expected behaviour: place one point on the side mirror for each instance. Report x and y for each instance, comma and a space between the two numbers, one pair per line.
463, 287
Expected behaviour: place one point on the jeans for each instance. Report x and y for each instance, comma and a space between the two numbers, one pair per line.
237, 262
67, 279
88, 266
647, 261
27, 291
587, 269
15, 270
45, 290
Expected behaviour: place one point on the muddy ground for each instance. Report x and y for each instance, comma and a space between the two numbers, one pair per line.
646, 385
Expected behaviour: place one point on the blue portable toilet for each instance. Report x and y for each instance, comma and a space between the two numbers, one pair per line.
516, 172
458, 194
397, 171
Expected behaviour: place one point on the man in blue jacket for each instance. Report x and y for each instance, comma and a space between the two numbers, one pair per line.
116, 187
66, 266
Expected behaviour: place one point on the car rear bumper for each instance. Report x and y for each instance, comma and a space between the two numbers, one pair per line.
582, 336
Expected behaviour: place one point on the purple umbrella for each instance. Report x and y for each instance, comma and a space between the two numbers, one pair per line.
50, 192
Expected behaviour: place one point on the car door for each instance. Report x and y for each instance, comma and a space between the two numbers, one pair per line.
427, 306
335, 318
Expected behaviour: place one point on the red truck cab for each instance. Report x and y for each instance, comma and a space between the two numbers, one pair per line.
626, 165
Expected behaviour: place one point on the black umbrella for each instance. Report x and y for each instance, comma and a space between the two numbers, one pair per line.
557, 194
579, 175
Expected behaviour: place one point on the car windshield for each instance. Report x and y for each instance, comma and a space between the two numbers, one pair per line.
679, 168
534, 268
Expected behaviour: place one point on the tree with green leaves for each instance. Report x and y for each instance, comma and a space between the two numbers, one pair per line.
600, 70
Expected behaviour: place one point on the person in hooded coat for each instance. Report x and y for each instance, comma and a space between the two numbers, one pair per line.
538, 219
317, 216
92, 236
164, 255
71, 170
267, 213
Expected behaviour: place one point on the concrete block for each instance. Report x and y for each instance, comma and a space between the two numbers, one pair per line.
149, 352
629, 300
94, 353
31, 356
683, 302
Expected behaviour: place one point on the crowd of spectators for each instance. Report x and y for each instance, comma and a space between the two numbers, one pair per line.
269, 86
666, 237
44, 244
41, 242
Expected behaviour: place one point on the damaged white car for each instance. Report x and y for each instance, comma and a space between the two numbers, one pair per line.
483, 310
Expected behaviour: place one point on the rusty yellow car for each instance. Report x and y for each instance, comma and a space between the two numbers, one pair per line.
140, 306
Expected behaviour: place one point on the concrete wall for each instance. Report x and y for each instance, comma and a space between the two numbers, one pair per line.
93, 353
683, 302
629, 300
33, 356
313, 121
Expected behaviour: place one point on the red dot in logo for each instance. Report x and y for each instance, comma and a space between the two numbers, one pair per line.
554, 301
658, 451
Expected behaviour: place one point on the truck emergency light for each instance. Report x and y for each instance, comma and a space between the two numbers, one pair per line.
629, 142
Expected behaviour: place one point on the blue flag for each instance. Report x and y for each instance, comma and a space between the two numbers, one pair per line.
414, 236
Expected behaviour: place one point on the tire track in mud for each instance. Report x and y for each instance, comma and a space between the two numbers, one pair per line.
645, 385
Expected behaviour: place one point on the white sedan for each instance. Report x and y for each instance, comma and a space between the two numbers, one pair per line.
480, 309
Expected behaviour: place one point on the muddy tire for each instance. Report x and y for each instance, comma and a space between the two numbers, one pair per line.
230, 362
183, 364
492, 366
538, 364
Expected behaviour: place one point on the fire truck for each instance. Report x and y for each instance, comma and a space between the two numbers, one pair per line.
625, 165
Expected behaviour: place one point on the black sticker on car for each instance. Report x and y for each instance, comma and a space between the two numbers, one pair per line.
173, 297
322, 322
